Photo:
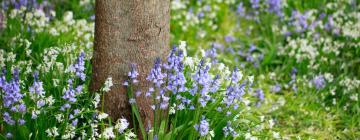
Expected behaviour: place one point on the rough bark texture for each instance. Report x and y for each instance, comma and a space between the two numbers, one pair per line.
128, 31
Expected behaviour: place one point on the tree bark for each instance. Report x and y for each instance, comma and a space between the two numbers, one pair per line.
128, 31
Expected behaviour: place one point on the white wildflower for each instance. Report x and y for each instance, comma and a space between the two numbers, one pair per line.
121, 125
68, 18
108, 84
52, 132
59, 117
108, 133
102, 116
130, 136
276, 135
172, 109
96, 100
182, 47
69, 132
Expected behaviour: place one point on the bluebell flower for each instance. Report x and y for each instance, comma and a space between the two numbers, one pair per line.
215, 84
211, 53
230, 50
175, 68
37, 91
3, 78
192, 107
79, 67
319, 82
329, 23
164, 102
228, 130
69, 94
260, 94
276, 88
8, 119
156, 75
235, 75
201, 14
37, 87
202, 127
294, 71
207, 8
229, 39
201, 84
74, 122
201, 78
234, 91
137, 93
322, 15
12, 98
219, 109
255, 4
299, 21
218, 46
133, 74
21, 121
274, 6
9, 135
240, 9
251, 49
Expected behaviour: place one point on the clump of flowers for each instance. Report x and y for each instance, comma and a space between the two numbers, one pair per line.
12, 99
319, 82
177, 89
202, 127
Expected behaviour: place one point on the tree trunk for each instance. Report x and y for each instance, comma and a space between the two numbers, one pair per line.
128, 31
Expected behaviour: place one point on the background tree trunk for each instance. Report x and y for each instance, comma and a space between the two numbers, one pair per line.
128, 31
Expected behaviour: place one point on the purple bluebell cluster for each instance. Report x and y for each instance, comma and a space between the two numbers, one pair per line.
79, 67
229, 38
299, 21
37, 87
215, 84
157, 76
175, 68
228, 130
293, 79
248, 56
211, 53
37, 91
275, 7
45, 5
202, 127
74, 89
260, 95
12, 98
251, 55
319, 82
255, 4
330, 26
240, 9
72, 117
133, 74
201, 84
234, 91
70, 93
276, 88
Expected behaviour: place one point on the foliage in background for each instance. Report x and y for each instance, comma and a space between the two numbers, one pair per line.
247, 69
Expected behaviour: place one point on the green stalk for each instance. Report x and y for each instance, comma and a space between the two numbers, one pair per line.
173, 126
135, 114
